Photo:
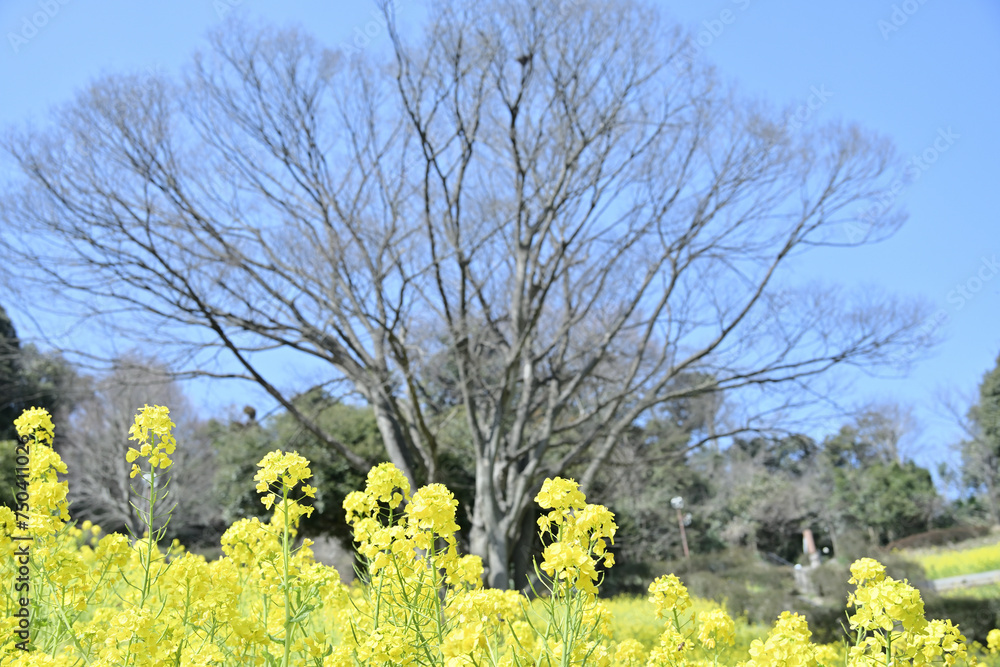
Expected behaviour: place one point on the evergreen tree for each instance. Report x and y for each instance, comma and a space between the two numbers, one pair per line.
981, 452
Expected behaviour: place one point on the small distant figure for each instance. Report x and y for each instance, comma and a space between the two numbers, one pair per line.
251, 413
524, 60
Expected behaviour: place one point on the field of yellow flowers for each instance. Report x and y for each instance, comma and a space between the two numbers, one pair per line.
76, 596
953, 562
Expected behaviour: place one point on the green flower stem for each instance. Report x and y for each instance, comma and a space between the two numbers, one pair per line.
147, 565
286, 581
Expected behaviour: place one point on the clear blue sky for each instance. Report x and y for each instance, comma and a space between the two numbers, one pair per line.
920, 71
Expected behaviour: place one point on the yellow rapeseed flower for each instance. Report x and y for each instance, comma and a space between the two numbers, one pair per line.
277, 466
431, 514
560, 494
37, 423
387, 484
629, 653
715, 625
668, 594
787, 644
881, 604
993, 641
866, 569
153, 430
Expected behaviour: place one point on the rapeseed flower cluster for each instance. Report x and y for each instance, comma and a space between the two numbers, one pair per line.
668, 595
47, 508
715, 626
278, 472
36, 424
579, 534
152, 430
890, 624
687, 633
993, 641
108, 600
787, 644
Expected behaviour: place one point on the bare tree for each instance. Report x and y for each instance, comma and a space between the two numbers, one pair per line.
100, 486
545, 198
887, 427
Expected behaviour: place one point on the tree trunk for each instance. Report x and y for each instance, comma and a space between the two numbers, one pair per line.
394, 437
523, 547
831, 530
993, 506
489, 539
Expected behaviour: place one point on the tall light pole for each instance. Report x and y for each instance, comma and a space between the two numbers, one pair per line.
678, 504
